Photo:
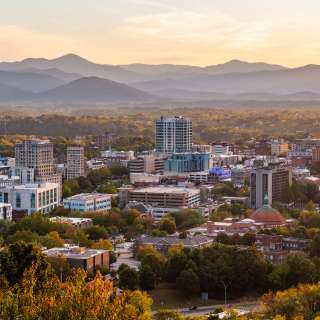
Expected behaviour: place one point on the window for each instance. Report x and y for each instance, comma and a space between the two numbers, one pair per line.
32, 200
18, 200
5, 197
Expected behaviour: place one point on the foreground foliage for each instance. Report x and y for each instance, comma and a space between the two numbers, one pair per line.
74, 299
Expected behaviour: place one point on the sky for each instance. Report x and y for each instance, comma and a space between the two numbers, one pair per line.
198, 32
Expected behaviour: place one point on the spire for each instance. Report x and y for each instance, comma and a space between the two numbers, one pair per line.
266, 200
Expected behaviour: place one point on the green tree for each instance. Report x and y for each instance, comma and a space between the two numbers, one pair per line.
188, 283
147, 278
315, 246
18, 257
96, 232
128, 278
168, 225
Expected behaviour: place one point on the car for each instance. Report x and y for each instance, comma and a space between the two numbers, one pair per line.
193, 308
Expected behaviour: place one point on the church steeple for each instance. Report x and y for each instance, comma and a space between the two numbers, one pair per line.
266, 200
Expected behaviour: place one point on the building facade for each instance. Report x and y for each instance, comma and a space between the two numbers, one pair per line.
32, 198
166, 197
88, 259
5, 211
35, 154
173, 134
146, 164
84, 202
75, 162
273, 182
187, 162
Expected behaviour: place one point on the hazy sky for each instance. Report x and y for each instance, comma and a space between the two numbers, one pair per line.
200, 32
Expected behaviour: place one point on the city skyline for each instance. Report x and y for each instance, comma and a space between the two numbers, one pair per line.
162, 31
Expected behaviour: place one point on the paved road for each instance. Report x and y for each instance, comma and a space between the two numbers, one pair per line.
244, 306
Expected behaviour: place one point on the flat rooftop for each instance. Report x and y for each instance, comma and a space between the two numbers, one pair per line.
162, 190
68, 219
74, 252
88, 196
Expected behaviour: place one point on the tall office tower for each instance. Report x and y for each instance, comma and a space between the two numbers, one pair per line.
35, 154
273, 182
75, 162
173, 135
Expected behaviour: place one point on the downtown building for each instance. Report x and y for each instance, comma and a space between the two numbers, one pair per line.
173, 135
272, 181
34, 163
75, 162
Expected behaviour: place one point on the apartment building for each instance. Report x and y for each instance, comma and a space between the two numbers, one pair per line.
271, 181
36, 154
173, 134
75, 162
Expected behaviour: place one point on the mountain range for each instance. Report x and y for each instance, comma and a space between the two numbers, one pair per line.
71, 78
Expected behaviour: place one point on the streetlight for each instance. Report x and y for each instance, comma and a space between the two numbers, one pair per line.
225, 292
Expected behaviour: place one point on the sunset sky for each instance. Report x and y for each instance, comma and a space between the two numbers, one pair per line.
199, 32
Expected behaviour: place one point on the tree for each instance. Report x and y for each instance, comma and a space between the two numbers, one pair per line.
188, 283
128, 278
25, 236
18, 257
175, 265
222, 237
249, 239
74, 299
168, 225
103, 244
96, 232
52, 239
147, 278
315, 246
301, 269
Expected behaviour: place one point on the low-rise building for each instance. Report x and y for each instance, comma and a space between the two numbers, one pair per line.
77, 223
84, 202
167, 197
32, 198
88, 259
5, 211
187, 162
163, 244
146, 163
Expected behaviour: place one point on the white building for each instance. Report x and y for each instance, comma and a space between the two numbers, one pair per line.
221, 148
5, 211
173, 134
84, 202
32, 197
77, 223
199, 177
25, 174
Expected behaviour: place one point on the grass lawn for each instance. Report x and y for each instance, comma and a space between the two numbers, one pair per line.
166, 296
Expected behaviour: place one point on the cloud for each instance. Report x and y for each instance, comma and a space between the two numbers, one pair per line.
152, 3
189, 34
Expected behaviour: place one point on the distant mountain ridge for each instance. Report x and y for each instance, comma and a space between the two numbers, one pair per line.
94, 90
71, 78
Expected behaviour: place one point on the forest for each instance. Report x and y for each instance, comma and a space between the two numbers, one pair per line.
134, 128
